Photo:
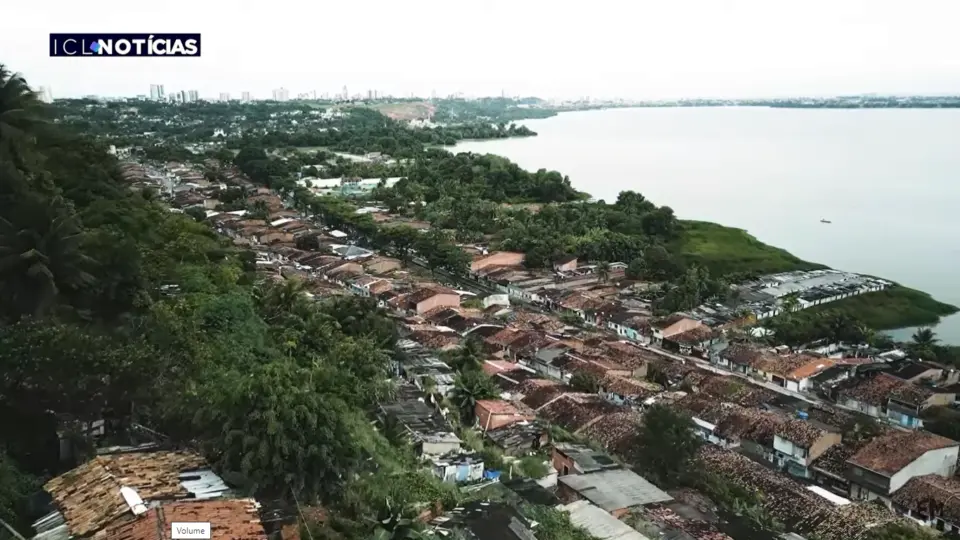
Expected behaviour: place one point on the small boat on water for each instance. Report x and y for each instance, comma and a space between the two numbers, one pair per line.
825, 221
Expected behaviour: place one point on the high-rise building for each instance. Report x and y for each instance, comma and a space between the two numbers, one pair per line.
245, 97
224, 96
156, 92
281, 94
45, 94
193, 95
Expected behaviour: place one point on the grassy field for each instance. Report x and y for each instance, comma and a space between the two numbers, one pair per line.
896, 307
727, 250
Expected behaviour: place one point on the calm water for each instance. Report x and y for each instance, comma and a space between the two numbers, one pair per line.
888, 179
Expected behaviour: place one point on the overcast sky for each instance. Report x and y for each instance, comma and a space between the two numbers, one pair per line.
601, 48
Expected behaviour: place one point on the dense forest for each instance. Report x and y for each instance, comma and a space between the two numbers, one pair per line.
116, 308
356, 130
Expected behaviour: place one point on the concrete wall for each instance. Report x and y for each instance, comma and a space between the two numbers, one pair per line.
678, 327
942, 462
439, 300
488, 420
821, 446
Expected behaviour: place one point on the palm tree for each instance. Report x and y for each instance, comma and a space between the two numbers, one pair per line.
925, 337
19, 118
469, 356
867, 334
469, 388
789, 303
42, 260
603, 272
924, 344
278, 299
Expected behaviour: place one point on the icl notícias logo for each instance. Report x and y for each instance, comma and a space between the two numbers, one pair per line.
105, 45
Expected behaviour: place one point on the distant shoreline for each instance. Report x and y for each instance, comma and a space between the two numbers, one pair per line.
714, 245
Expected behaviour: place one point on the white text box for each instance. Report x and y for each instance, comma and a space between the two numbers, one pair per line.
190, 530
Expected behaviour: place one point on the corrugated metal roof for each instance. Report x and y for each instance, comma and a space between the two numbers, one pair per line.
52, 526
204, 484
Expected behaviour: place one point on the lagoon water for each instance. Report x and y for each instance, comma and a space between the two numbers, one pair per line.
888, 179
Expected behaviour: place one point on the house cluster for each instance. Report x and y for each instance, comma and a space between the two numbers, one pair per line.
814, 460
347, 186
138, 493
823, 457
587, 291
765, 296
888, 387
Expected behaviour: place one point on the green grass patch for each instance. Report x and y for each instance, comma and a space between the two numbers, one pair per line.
896, 307
728, 250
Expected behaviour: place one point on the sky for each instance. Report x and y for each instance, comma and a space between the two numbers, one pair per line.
643, 49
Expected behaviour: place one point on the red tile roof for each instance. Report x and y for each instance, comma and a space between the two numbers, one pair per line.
923, 492
89, 495
235, 519
891, 452
498, 406
877, 390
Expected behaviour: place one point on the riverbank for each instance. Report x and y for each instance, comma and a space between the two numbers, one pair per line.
728, 250
752, 168
896, 307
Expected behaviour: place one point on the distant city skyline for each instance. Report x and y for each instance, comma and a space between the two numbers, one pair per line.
638, 50
156, 92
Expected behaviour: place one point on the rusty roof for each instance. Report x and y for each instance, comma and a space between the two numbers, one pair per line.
617, 432
893, 451
630, 387
751, 425
89, 495
731, 389
503, 337
235, 519
667, 322
538, 396
426, 293
922, 491
791, 503
694, 335
499, 406
576, 411
380, 286
800, 432
878, 389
